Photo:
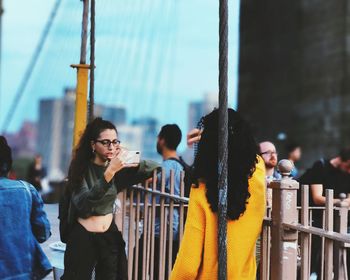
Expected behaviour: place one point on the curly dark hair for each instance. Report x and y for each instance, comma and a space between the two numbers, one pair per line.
242, 158
83, 153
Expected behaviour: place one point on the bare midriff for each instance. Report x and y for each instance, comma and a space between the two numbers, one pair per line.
97, 223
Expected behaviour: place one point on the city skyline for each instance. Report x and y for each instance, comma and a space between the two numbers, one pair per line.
57, 116
165, 62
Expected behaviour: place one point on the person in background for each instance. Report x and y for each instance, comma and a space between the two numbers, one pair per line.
198, 253
36, 172
270, 156
329, 174
294, 155
168, 140
24, 225
325, 174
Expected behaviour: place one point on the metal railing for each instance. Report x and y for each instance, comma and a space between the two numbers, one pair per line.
286, 238
288, 232
144, 208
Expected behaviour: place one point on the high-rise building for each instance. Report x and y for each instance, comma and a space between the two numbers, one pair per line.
55, 130
195, 112
198, 109
293, 73
150, 129
116, 115
23, 142
56, 123
131, 137
68, 107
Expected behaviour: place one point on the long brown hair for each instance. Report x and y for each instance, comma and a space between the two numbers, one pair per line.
83, 154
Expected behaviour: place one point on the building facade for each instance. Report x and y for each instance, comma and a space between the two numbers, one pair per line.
200, 108
293, 73
196, 110
55, 130
150, 129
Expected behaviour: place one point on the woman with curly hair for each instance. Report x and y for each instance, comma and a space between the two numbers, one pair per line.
198, 254
96, 174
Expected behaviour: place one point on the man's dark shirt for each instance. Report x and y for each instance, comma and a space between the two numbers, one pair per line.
323, 172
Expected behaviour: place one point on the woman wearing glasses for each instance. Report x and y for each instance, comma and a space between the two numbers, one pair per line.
96, 174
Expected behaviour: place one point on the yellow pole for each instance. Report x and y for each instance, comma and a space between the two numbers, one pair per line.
82, 81
81, 101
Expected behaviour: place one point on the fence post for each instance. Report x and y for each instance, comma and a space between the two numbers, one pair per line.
131, 235
305, 237
341, 226
265, 242
284, 210
328, 243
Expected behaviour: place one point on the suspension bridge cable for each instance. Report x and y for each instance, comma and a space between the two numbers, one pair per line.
30, 69
92, 62
161, 59
122, 54
59, 47
133, 54
172, 59
66, 44
102, 17
84, 32
147, 60
139, 47
117, 26
223, 139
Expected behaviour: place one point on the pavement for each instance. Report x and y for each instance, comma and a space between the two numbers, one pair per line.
55, 256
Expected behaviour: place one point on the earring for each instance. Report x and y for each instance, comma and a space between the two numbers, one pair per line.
93, 150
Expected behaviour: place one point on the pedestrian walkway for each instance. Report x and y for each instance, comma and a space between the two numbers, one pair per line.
52, 214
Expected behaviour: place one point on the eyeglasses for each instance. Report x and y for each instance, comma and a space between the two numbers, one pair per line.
107, 143
270, 153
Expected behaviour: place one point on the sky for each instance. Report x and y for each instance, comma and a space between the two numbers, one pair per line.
152, 56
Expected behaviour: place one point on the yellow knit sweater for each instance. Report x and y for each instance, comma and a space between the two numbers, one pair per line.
198, 254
